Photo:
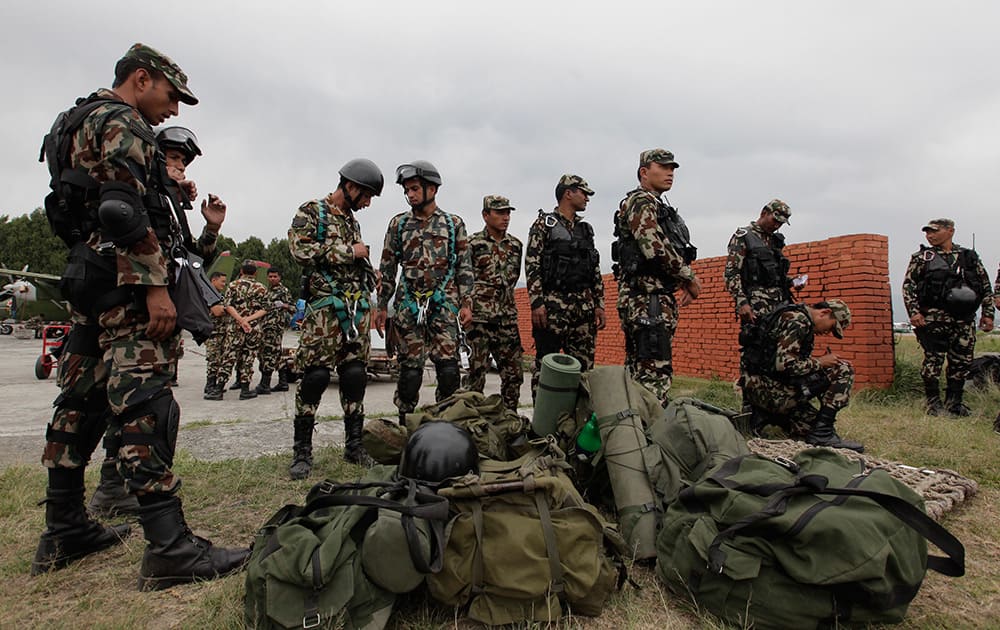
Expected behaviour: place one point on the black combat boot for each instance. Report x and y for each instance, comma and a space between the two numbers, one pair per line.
246, 393
953, 400
932, 394
70, 533
823, 434
209, 385
111, 499
354, 451
216, 393
282, 385
264, 387
302, 458
174, 554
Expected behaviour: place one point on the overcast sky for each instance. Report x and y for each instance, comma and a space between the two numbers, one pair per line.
863, 116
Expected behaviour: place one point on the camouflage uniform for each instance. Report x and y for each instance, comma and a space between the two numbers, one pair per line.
247, 296
647, 307
436, 275
762, 294
494, 331
216, 347
783, 390
572, 327
273, 327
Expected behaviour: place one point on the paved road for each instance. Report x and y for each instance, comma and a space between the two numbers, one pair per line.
210, 430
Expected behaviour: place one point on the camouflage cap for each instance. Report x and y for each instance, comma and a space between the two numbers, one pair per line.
660, 156
158, 61
938, 224
575, 181
496, 202
842, 314
779, 209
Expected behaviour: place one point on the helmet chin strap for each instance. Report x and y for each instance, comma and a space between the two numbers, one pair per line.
423, 204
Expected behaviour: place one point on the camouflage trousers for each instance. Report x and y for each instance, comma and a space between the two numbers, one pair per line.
649, 340
436, 338
270, 348
323, 344
951, 340
241, 350
111, 375
502, 341
791, 402
215, 348
571, 329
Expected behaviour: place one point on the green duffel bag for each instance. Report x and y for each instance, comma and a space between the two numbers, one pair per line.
522, 544
308, 568
809, 543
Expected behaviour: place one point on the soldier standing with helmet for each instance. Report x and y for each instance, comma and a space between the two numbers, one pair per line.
565, 287
653, 256
434, 294
496, 261
325, 238
120, 213
945, 285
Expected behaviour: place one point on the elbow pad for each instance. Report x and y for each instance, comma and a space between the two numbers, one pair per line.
122, 216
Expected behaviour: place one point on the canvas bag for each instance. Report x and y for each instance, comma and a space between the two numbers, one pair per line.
522, 545
801, 544
306, 569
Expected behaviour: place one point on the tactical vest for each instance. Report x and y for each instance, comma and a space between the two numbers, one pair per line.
759, 346
940, 277
568, 258
764, 266
625, 251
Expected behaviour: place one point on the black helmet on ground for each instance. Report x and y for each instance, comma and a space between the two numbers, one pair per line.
437, 451
364, 173
418, 168
180, 138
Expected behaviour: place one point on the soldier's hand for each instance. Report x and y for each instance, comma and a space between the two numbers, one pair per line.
465, 317
162, 314
189, 188
380, 318
828, 360
746, 314
246, 325
360, 250
214, 211
539, 318
599, 318
986, 324
918, 321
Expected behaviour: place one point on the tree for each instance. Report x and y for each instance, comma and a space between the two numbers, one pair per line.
28, 240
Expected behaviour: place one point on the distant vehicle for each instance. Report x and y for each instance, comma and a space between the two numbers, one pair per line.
902, 327
34, 299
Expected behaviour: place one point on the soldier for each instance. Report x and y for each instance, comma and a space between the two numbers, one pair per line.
945, 285
783, 376
114, 198
325, 238
435, 286
280, 305
248, 300
496, 262
756, 268
565, 287
222, 321
653, 254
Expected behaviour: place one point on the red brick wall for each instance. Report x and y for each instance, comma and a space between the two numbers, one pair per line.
854, 268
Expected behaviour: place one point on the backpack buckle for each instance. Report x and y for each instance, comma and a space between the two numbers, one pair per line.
786, 463
311, 621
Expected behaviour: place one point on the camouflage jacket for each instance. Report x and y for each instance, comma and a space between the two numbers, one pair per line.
322, 239
793, 333
915, 277
246, 295
637, 217
422, 248
278, 298
760, 298
497, 265
537, 239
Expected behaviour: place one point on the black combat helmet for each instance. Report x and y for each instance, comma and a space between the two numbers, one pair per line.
437, 451
962, 301
364, 173
418, 168
180, 138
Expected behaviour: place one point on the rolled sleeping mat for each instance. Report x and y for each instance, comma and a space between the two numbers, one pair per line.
558, 382
620, 405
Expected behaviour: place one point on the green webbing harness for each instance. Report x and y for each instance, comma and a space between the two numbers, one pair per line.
349, 306
426, 304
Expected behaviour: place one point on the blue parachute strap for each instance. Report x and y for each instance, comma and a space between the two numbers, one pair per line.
412, 298
321, 226
338, 301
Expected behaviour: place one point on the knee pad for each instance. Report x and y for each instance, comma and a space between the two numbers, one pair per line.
313, 384
447, 376
166, 414
353, 378
409, 383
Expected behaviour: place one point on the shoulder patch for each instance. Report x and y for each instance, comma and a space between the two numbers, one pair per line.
299, 221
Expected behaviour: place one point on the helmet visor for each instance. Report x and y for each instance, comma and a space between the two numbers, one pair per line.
181, 138
408, 171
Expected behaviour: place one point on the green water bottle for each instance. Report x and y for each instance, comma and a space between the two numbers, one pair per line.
589, 439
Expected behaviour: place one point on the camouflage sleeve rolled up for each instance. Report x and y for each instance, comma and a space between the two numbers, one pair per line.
389, 265
464, 275
641, 214
533, 262
736, 254
911, 284
116, 144
793, 329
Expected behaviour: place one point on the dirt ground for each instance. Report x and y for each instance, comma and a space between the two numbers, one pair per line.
210, 430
